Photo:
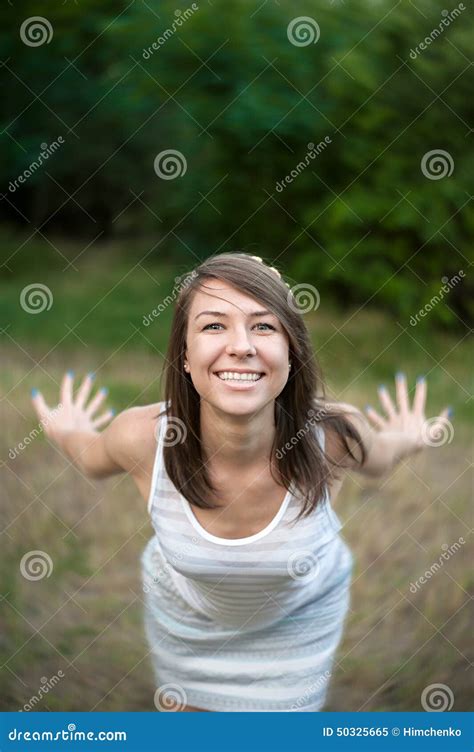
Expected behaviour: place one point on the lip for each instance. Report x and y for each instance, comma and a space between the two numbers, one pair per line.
238, 370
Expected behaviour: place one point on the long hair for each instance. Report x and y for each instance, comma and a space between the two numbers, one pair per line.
300, 406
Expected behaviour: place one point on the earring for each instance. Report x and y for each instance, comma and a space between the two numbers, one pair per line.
289, 365
186, 367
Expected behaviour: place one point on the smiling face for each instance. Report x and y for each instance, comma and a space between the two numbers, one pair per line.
236, 351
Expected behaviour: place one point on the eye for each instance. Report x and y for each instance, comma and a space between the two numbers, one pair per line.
270, 326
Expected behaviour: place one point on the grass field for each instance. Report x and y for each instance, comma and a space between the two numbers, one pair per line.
86, 618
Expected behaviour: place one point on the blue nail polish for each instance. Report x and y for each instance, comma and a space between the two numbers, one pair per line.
91, 375
420, 379
113, 411
34, 392
450, 412
368, 407
381, 386
70, 373
104, 390
399, 375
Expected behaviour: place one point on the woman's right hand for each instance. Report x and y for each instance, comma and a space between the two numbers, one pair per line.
72, 413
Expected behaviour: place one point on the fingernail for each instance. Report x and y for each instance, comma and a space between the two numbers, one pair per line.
34, 392
113, 411
420, 379
70, 373
91, 375
381, 386
399, 375
104, 390
368, 407
450, 412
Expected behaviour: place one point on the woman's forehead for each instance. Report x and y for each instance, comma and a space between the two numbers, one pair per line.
217, 294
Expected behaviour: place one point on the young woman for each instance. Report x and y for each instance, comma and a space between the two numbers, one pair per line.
247, 578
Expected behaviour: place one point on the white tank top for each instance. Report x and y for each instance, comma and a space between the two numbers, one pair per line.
245, 582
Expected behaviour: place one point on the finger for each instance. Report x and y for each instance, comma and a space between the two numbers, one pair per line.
96, 402
67, 387
444, 416
98, 422
42, 409
84, 390
373, 415
419, 401
402, 393
386, 401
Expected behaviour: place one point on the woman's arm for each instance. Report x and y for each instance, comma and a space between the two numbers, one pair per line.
403, 432
98, 454
72, 426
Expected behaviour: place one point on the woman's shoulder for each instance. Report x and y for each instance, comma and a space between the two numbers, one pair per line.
334, 446
147, 419
139, 427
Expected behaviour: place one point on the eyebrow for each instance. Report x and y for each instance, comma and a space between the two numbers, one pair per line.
225, 315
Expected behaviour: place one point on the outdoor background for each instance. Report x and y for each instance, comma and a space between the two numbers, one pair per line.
94, 234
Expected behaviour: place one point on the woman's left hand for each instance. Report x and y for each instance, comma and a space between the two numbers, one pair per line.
409, 426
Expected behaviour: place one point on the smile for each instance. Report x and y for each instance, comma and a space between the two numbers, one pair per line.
235, 376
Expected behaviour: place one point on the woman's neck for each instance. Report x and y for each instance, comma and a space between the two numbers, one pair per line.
237, 440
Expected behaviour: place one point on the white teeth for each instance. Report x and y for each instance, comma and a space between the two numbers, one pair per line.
233, 376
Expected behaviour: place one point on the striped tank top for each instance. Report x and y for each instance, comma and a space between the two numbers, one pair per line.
246, 583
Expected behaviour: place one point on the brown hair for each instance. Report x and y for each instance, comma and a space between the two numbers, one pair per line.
302, 402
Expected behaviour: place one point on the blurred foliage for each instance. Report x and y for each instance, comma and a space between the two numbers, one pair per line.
229, 91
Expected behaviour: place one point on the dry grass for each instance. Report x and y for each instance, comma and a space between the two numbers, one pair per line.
86, 618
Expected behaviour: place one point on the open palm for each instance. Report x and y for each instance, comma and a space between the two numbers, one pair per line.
410, 423
72, 414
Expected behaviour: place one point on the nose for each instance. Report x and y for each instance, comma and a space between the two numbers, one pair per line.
239, 342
